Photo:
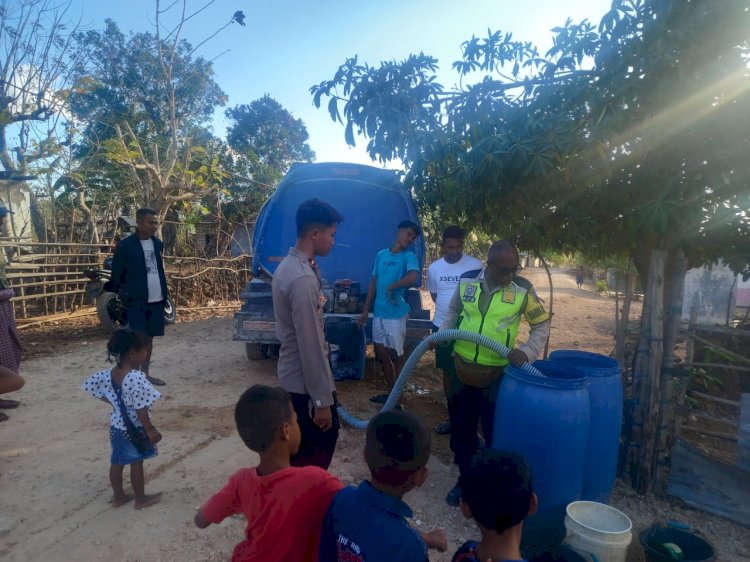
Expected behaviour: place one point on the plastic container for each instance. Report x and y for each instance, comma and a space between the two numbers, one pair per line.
666, 544
546, 420
605, 392
347, 341
598, 532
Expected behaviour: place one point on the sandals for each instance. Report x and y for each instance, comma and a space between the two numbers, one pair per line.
155, 381
9, 404
3, 416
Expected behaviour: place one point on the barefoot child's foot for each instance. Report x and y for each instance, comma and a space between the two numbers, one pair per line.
147, 501
120, 501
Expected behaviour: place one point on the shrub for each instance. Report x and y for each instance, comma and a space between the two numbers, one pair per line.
601, 286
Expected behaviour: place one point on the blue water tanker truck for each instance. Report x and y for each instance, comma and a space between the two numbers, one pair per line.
373, 202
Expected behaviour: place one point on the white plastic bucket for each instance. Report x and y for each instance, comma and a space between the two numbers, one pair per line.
598, 532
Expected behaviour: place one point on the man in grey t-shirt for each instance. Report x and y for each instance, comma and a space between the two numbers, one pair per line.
304, 370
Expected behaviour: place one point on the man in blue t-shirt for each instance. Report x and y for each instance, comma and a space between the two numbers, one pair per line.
396, 269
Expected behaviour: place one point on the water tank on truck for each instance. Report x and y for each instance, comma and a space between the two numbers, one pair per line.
373, 202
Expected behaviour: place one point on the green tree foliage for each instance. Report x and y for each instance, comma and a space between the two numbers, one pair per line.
270, 137
140, 97
119, 79
624, 137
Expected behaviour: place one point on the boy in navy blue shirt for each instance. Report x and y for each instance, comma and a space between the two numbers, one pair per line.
496, 493
369, 522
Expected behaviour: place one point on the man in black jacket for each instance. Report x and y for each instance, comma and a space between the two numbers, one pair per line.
138, 274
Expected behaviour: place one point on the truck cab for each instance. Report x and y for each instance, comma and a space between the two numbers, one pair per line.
373, 202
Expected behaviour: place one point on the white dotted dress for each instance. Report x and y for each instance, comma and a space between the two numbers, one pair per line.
137, 393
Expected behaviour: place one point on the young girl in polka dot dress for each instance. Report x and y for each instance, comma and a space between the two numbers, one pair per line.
126, 389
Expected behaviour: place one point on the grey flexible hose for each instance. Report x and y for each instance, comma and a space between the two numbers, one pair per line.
416, 355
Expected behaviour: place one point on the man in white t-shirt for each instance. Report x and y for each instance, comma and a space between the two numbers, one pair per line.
442, 279
138, 274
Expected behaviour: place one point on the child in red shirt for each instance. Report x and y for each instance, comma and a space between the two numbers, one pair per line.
284, 505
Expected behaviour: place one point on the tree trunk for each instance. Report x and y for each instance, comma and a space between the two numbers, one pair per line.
37, 219
674, 290
622, 329
168, 233
645, 415
551, 302
87, 215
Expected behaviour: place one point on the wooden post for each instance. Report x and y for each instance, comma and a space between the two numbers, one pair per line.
690, 347
672, 323
682, 389
642, 454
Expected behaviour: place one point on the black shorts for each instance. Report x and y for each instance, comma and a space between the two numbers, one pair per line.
147, 318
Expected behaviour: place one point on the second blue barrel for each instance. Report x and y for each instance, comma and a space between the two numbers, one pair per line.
546, 420
605, 390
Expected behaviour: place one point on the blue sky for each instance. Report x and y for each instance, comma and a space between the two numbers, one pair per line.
289, 45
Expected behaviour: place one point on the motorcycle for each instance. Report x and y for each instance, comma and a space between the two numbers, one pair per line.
109, 308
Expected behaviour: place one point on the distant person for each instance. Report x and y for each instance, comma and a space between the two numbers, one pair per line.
490, 302
9, 382
442, 279
369, 522
496, 493
138, 274
579, 278
298, 301
283, 505
10, 341
395, 270
132, 435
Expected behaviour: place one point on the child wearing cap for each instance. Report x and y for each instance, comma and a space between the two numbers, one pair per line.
496, 492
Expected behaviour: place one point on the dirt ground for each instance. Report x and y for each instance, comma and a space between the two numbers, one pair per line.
54, 451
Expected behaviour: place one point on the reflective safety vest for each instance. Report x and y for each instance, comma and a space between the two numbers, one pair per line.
500, 322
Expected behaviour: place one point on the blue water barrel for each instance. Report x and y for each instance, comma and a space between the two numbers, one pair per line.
605, 391
546, 420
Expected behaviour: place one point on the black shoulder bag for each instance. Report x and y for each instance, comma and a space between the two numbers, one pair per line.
136, 434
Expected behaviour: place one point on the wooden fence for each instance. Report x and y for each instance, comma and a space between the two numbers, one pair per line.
713, 415
196, 281
48, 277
717, 478
49, 281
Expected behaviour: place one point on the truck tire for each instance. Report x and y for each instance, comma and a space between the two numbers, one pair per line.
105, 304
255, 351
170, 312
